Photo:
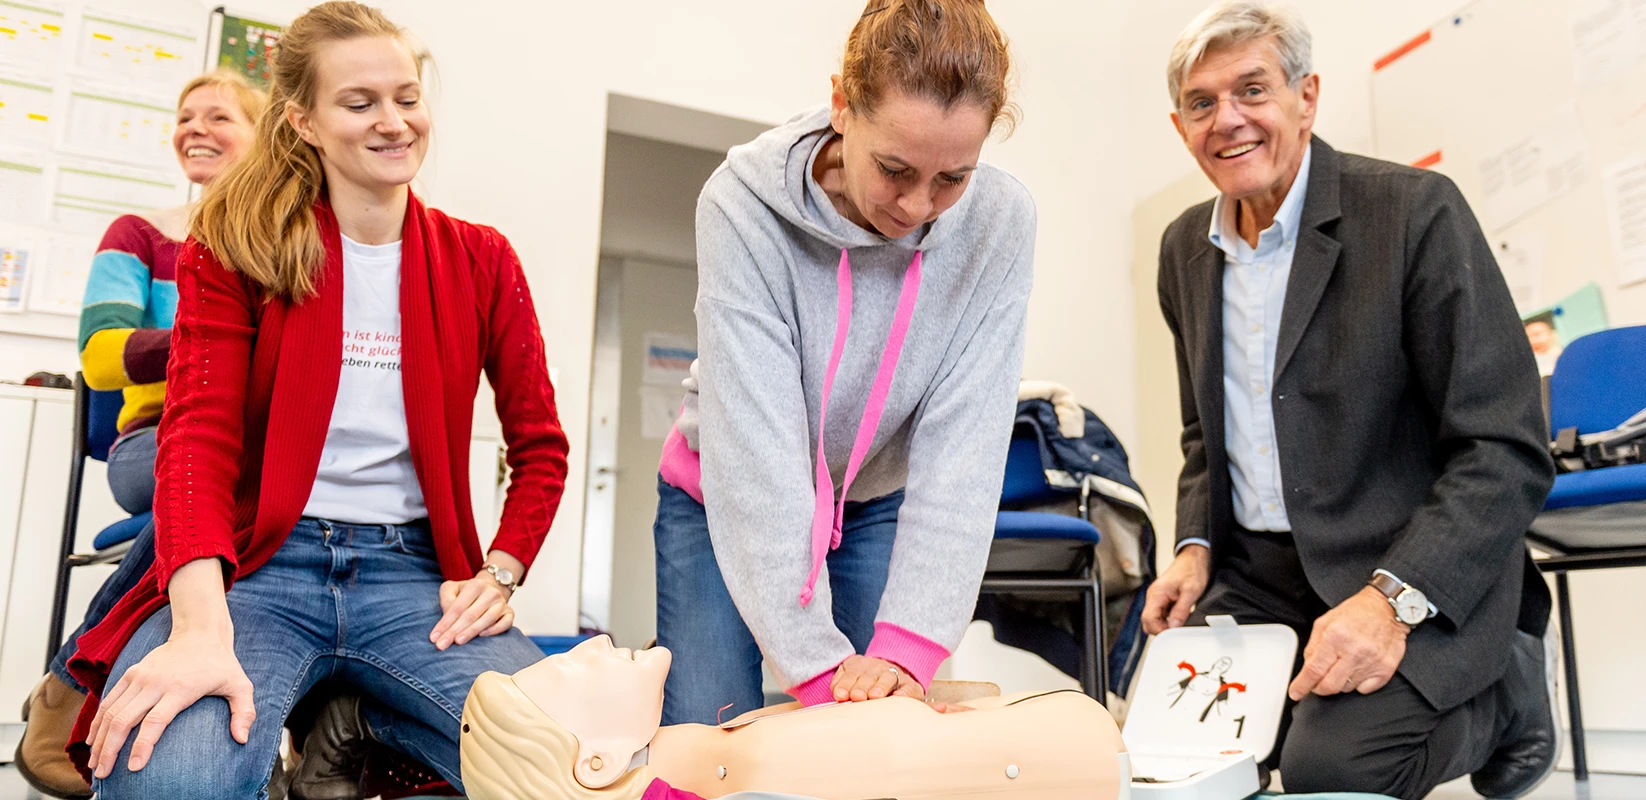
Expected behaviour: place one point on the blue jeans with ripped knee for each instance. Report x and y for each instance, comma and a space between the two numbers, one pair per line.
351, 603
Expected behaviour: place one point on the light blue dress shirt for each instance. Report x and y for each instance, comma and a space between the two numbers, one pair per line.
1254, 294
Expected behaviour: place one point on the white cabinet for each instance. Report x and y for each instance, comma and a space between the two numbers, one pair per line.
36, 433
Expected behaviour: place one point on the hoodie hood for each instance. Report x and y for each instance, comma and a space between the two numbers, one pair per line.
777, 169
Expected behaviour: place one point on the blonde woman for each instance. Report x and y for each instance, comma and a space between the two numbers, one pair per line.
311, 509
125, 339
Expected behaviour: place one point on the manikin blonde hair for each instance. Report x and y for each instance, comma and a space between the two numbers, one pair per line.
510, 749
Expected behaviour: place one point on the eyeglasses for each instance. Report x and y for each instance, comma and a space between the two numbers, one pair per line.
1201, 109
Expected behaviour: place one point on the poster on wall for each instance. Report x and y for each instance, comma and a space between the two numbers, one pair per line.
1625, 187
659, 406
668, 359
246, 46
1552, 327
14, 274
1535, 169
34, 33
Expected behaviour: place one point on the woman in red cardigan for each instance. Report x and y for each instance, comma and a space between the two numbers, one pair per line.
312, 510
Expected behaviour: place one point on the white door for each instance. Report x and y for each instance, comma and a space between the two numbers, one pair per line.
605, 390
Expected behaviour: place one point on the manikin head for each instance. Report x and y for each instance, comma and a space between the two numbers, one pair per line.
610, 698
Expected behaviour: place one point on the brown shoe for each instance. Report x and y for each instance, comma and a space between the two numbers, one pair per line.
41, 758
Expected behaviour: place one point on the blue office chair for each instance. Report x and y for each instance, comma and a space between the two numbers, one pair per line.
1046, 554
95, 415
1594, 519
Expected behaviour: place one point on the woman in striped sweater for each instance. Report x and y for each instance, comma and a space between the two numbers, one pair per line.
125, 336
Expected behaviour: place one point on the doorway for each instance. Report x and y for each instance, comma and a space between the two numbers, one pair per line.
657, 159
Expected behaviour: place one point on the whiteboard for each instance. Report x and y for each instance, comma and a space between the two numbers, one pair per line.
1528, 105
87, 109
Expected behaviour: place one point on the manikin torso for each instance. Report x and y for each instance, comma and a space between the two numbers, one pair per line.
606, 703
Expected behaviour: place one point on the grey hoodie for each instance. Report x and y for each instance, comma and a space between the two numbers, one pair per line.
768, 249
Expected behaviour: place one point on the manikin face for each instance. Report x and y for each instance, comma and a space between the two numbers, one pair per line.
909, 161
1244, 125
369, 121
212, 132
610, 698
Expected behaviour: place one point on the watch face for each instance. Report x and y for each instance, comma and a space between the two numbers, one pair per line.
1412, 607
504, 576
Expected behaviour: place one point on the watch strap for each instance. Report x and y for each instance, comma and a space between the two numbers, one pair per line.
1387, 584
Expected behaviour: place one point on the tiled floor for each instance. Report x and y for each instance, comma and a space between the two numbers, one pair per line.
1559, 787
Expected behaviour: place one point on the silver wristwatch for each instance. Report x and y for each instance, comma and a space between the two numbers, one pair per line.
1411, 605
503, 576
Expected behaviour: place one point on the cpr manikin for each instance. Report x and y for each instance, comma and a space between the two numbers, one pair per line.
570, 726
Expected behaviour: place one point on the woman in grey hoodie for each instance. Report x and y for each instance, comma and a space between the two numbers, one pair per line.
828, 496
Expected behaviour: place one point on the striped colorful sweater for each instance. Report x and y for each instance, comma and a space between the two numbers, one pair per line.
125, 321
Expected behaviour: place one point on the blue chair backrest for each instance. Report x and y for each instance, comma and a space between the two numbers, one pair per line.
1599, 381
1025, 475
102, 421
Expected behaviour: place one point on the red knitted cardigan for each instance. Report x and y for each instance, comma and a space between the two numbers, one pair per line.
251, 384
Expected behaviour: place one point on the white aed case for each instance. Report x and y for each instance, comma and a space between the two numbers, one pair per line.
1206, 709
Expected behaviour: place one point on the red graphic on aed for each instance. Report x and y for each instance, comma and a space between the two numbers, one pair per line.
1213, 683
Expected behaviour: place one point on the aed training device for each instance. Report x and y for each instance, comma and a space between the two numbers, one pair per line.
1206, 710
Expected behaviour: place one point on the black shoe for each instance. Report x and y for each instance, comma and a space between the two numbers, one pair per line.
279, 780
1526, 755
334, 753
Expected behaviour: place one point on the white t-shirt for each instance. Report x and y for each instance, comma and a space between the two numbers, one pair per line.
366, 474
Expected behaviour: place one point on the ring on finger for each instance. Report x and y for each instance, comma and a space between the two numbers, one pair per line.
1348, 685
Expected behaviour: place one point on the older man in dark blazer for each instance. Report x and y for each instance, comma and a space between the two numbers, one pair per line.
1363, 434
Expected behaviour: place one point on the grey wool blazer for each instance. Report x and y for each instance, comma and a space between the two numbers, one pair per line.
1406, 404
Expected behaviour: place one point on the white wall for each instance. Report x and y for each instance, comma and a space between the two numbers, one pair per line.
22, 355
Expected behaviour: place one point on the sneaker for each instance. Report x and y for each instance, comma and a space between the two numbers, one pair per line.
41, 757
1531, 746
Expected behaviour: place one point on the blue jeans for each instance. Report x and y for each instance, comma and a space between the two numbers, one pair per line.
716, 659
131, 471
350, 603
131, 479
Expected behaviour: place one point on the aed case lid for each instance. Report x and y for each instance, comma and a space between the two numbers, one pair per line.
1212, 690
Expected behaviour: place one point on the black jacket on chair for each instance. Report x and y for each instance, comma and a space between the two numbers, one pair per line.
1406, 405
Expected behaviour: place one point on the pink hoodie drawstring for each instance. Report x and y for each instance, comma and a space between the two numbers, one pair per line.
829, 516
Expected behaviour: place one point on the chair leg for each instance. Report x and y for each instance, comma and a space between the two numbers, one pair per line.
71, 525
1101, 607
1091, 653
1580, 753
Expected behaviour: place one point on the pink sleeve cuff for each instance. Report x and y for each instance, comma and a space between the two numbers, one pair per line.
815, 691
680, 467
658, 790
911, 651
